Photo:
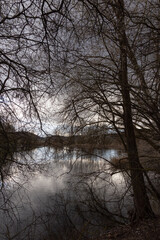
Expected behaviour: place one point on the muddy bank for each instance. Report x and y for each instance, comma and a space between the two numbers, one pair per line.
146, 229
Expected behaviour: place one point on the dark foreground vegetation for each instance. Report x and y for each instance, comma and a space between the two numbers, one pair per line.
146, 229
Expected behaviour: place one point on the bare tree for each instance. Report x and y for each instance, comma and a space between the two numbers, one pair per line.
100, 57
106, 79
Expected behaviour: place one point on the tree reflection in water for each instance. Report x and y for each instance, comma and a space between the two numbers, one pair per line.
68, 191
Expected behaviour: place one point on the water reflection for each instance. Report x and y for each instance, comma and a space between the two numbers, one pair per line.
50, 154
65, 190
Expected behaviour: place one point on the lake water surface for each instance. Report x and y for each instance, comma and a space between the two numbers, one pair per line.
59, 193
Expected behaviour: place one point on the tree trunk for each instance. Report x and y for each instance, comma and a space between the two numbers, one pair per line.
141, 201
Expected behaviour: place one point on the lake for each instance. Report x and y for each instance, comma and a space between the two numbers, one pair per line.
57, 194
